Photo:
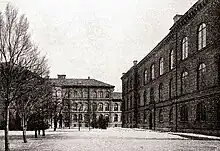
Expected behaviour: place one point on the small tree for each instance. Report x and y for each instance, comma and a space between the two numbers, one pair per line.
19, 57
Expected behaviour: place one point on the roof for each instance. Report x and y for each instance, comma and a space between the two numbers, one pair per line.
117, 95
80, 82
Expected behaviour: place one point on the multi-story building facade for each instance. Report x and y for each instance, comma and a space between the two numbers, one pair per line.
85, 101
176, 87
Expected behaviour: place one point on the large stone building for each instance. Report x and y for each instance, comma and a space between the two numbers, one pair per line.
87, 100
176, 87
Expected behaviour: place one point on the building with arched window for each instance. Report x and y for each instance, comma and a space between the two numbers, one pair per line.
183, 89
86, 101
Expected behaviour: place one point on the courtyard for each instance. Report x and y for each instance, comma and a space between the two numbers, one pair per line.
112, 139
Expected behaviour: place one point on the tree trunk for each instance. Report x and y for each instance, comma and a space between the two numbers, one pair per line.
24, 134
38, 132
43, 132
55, 124
24, 128
35, 133
7, 127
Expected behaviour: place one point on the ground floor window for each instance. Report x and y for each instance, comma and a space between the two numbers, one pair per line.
200, 112
171, 115
184, 113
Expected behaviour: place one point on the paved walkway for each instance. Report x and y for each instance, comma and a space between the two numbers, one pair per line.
108, 140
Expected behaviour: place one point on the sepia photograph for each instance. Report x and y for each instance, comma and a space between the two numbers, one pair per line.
109, 75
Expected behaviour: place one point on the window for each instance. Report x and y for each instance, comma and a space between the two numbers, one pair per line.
160, 92
100, 94
94, 94
80, 106
161, 115
75, 117
75, 93
116, 118
202, 36
152, 72
80, 117
74, 106
201, 76
107, 94
94, 106
184, 48
115, 107
161, 66
152, 95
170, 88
145, 76
171, 60
200, 112
100, 107
86, 107
184, 77
184, 113
145, 97
145, 116
171, 115
106, 107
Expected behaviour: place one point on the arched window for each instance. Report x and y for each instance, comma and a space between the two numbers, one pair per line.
75, 93
171, 60
80, 106
86, 106
116, 118
100, 94
94, 106
107, 94
100, 107
202, 36
145, 76
184, 77
74, 106
106, 106
152, 72
160, 92
200, 112
184, 48
201, 82
184, 113
161, 115
171, 115
161, 66
115, 107
94, 94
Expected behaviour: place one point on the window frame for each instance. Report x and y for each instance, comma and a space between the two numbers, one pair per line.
202, 36
185, 48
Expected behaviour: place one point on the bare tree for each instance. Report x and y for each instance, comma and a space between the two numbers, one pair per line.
34, 101
19, 57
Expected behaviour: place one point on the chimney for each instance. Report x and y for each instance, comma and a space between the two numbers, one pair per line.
135, 62
61, 76
88, 77
176, 17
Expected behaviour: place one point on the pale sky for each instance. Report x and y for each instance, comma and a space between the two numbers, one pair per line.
98, 38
